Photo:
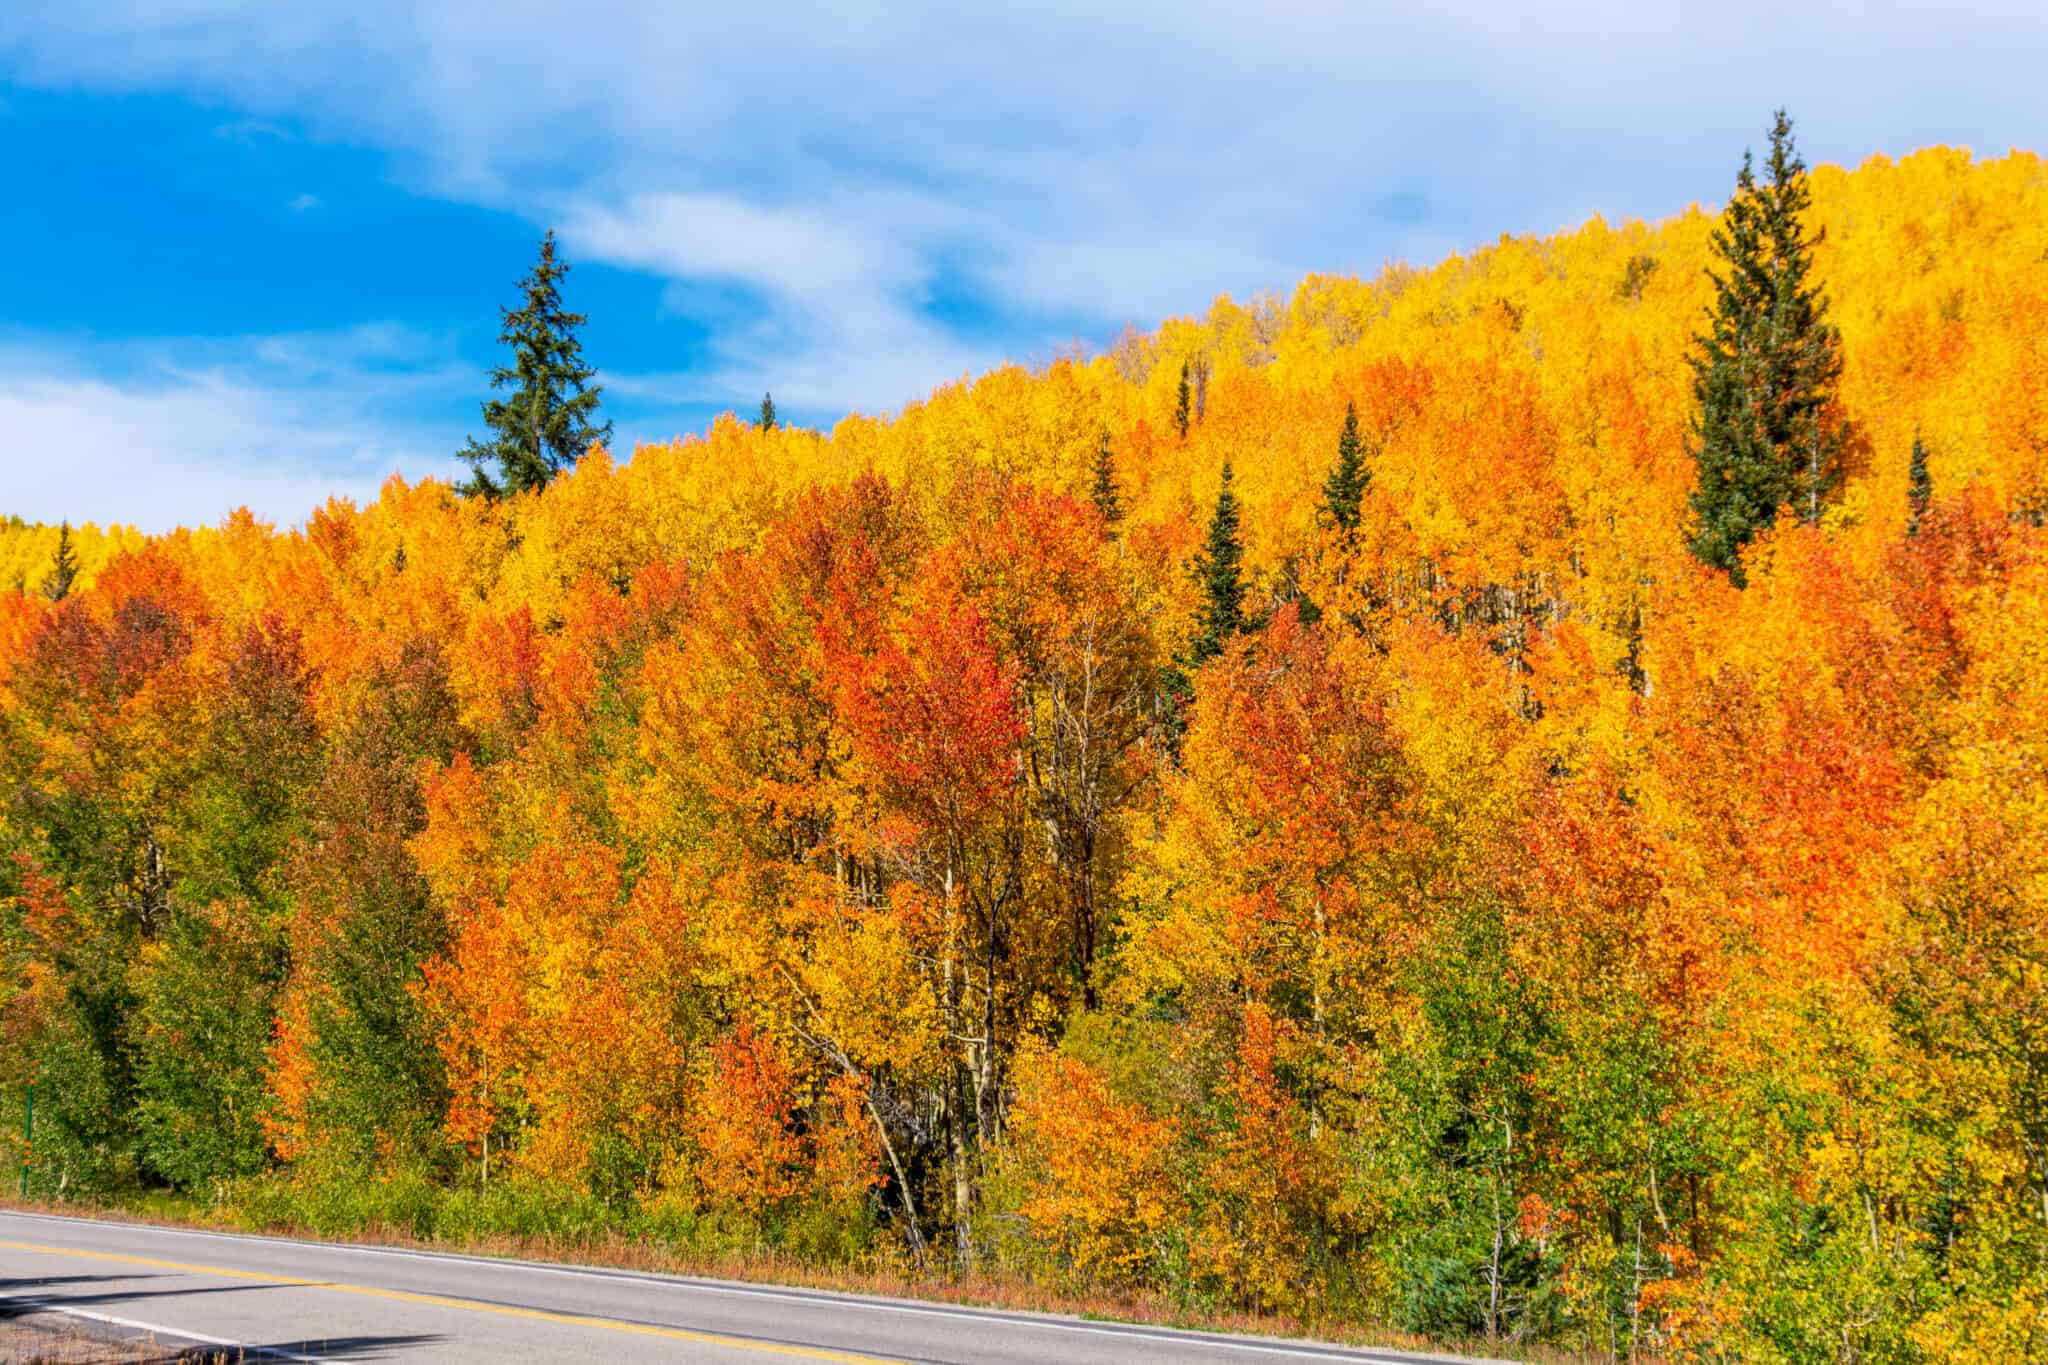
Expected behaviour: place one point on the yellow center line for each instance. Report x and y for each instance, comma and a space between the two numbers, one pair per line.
473, 1306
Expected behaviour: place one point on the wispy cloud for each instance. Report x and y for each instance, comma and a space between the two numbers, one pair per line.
1064, 165
833, 320
304, 203
252, 130
173, 432
800, 252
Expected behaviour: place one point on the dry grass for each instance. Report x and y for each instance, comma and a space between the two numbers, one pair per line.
52, 1339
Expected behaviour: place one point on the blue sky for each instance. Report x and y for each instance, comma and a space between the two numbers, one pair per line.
252, 254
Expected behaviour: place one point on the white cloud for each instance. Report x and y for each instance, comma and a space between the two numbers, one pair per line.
836, 323
1070, 163
798, 252
160, 434
304, 203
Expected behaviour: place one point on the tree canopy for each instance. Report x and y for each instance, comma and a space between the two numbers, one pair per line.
835, 846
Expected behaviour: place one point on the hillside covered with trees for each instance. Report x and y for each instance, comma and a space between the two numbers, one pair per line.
1357, 806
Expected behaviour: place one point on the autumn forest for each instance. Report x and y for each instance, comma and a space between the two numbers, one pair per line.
1383, 807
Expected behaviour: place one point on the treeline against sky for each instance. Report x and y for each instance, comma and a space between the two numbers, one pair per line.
841, 843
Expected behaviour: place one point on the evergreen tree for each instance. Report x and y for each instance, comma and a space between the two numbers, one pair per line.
1109, 499
544, 425
63, 566
1220, 570
1919, 487
1344, 491
1765, 433
767, 418
1181, 403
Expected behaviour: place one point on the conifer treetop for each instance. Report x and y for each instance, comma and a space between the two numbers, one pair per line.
1919, 487
1220, 570
1107, 496
1766, 433
63, 566
1344, 490
544, 424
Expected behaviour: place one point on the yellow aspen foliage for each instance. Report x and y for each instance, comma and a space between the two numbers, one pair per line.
832, 841
1101, 1197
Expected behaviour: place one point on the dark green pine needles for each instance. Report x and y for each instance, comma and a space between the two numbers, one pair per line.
767, 419
1220, 571
1344, 490
1919, 488
1765, 433
544, 424
63, 566
1109, 498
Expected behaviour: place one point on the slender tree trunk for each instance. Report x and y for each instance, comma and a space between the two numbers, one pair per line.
914, 1232
958, 1078
1084, 917
963, 1174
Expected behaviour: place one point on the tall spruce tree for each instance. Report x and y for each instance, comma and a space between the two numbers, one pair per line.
1182, 403
544, 425
1344, 490
1220, 570
766, 421
1109, 499
63, 566
1919, 487
1765, 433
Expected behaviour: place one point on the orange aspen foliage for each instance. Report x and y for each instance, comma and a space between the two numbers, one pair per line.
750, 1155
1519, 931
1100, 1193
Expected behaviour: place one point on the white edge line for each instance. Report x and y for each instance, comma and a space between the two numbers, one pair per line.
46, 1306
823, 1298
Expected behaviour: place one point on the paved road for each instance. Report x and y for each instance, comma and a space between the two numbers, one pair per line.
301, 1301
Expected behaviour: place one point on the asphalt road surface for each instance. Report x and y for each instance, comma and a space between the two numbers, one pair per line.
298, 1301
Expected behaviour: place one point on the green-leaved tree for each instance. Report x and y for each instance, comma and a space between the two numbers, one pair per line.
545, 423
1766, 432
766, 421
